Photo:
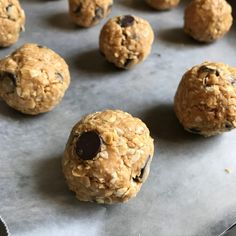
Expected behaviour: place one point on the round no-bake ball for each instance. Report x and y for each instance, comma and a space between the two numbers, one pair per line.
87, 13
107, 157
12, 20
33, 79
162, 4
205, 102
126, 40
207, 20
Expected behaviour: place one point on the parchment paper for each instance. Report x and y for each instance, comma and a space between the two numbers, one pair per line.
188, 192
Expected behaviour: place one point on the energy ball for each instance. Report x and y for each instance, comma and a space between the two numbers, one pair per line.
87, 13
33, 79
126, 40
207, 20
205, 102
108, 157
162, 4
12, 21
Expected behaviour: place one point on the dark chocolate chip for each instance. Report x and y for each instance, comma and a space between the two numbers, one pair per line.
205, 69
99, 13
40, 46
229, 126
59, 76
139, 178
9, 75
127, 21
127, 62
77, 11
195, 130
88, 145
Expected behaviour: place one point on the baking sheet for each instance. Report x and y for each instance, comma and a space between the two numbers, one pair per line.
188, 192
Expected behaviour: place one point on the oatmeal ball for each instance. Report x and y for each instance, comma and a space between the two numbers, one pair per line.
126, 40
207, 20
205, 102
87, 13
162, 4
12, 20
108, 157
33, 79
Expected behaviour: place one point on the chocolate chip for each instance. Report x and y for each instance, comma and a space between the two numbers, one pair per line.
40, 46
88, 145
208, 70
77, 11
9, 75
195, 130
139, 178
128, 62
99, 12
59, 76
229, 126
127, 21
